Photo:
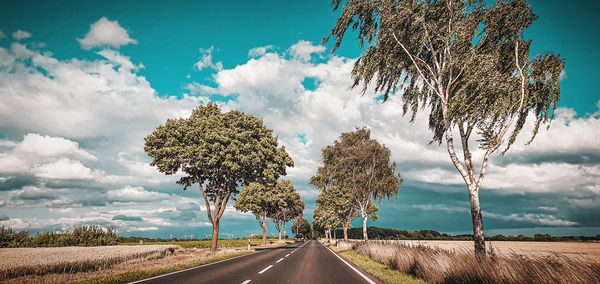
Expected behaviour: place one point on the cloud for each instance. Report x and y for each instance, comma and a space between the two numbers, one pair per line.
44, 146
46, 157
127, 218
19, 35
34, 193
206, 60
134, 194
303, 50
259, 51
105, 32
63, 169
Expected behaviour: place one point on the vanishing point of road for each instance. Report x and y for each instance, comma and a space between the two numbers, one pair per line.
308, 262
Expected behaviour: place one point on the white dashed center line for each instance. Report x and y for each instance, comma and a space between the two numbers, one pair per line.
246, 282
265, 269
287, 255
279, 260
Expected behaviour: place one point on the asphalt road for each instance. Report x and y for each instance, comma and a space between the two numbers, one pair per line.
308, 262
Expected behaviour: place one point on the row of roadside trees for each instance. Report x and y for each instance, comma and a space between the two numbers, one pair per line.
278, 202
221, 152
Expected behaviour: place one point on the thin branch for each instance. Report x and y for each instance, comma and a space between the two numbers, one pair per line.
417, 66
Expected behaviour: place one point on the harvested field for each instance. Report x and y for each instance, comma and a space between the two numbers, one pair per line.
16, 262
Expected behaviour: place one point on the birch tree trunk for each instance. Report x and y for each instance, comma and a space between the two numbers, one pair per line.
478, 237
364, 215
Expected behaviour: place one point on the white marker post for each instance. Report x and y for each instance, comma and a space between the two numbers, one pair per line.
248, 244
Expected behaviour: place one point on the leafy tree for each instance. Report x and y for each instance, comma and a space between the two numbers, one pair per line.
279, 202
360, 165
219, 151
289, 205
260, 200
467, 63
301, 227
325, 219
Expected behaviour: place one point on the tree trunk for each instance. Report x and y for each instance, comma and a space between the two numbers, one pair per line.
477, 222
215, 236
346, 231
335, 234
280, 230
264, 234
365, 235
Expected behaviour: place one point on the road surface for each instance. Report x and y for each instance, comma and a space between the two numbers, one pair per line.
308, 262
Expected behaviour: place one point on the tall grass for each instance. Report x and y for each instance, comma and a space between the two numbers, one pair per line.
441, 266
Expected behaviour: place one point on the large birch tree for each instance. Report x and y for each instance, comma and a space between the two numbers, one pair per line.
467, 64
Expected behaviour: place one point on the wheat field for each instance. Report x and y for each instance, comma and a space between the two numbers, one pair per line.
16, 262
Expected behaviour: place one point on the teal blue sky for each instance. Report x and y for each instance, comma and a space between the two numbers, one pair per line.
169, 35
559, 194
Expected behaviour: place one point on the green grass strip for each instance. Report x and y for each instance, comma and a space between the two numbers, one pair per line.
378, 270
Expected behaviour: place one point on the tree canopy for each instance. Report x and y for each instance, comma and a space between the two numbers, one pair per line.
219, 151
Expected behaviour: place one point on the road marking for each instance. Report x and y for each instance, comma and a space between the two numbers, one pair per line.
279, 260
246, 282
287, 255
355, 270
265, 269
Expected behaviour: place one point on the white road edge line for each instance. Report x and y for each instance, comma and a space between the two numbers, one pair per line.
279, 260
208, 264
246, 282
267, 268
353, 268
287, 255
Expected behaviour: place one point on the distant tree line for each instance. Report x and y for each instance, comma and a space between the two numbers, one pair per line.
79, 236
376, 233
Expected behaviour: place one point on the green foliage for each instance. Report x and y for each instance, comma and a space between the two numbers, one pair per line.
280, 202
301, 227
221, 149
79, 236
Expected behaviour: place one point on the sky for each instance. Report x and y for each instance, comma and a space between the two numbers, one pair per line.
81, 84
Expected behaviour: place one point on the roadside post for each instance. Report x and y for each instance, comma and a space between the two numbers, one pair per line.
248, 244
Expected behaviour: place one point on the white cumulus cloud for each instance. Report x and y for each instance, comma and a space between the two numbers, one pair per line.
105, 32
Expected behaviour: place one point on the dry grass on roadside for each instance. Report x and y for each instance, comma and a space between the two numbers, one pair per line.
15, 262
442, 266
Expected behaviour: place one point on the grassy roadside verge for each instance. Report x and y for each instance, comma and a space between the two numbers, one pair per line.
146, 273
377, 270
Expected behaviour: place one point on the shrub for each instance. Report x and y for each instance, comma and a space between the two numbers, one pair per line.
79, 236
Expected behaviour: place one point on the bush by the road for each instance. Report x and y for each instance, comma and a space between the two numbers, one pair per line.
79, 236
